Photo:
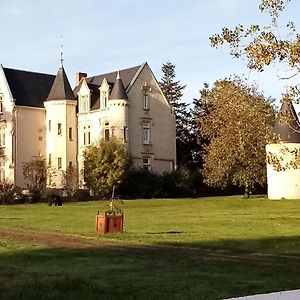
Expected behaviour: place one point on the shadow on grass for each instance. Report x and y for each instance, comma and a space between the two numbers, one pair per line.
277, 246
153, 272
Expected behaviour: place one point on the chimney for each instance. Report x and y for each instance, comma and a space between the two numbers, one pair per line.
80, 75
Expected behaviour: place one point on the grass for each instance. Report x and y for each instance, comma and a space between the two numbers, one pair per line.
224, 222
229, 226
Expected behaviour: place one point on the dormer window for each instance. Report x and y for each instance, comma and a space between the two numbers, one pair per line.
104, 92
84, 105
104, 99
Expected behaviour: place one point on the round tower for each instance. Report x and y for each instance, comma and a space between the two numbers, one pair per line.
283, 175
118, 110
61, 133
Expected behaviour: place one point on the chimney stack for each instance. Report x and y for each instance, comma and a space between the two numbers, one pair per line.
80, 75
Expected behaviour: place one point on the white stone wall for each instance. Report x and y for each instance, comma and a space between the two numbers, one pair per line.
7, 120
283, 184
30, 138
94, 122
58, 145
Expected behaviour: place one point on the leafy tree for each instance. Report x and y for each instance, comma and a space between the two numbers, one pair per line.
173, 91
35, 172
238, 123
104, 165
263, 46
71, 180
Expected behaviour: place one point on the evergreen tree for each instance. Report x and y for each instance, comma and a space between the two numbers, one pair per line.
173, 91
199, 142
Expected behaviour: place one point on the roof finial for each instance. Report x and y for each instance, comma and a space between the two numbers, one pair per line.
118, 75
61, 51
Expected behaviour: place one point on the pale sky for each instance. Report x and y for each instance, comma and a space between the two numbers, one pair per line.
103, 36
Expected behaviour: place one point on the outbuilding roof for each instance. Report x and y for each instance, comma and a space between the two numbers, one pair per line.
287, 124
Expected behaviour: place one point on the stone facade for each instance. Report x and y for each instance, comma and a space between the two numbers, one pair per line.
40, 116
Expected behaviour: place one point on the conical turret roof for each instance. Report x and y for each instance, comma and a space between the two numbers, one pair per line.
61, 88
287, 124
118, 91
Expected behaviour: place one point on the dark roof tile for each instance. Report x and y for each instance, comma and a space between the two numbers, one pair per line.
29, 88
126, 75
95, 82
287, 124
118, 91
61, 88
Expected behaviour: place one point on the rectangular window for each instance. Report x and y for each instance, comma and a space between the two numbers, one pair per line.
106, 134
125, 129
105, 101
2, 139
49, 125
84, 139
59, 128
146, 163
1, 104
146, 101
70, 134
59, 163
49, 160
146, 133
3, 171
89, 137
40, 138
70, 164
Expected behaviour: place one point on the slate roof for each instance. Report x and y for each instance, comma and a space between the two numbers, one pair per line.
94, 83
28, 88
287, 124
118, 91
61, 88
126, 75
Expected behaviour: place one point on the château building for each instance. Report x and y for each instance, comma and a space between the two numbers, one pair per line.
42, 117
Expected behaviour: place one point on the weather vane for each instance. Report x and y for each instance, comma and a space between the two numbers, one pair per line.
61, 51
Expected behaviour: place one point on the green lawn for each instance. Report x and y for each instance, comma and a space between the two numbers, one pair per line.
232, 228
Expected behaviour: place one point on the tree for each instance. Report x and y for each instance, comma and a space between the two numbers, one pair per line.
6, 191
104, 165
238, 123
262, 46
71, 180
200, 109
173, 92
35, 172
